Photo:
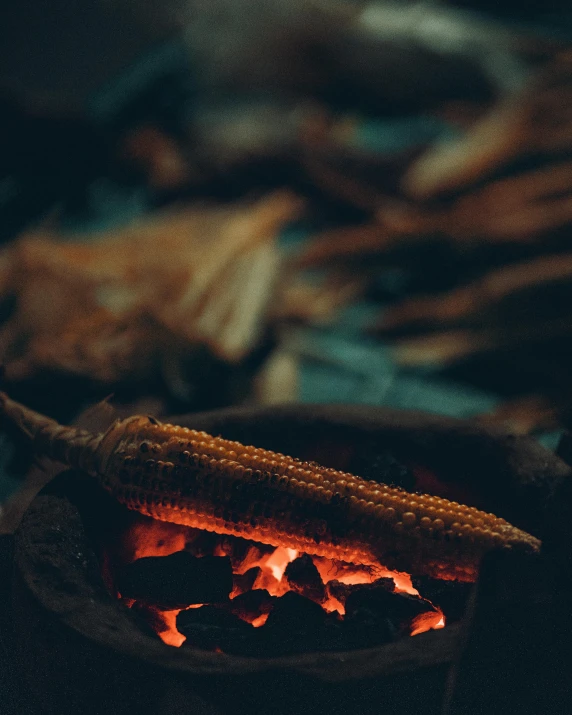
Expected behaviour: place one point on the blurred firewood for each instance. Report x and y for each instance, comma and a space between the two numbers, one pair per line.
469, 302
231, 131
140, 301
503, 192
500, 201
312, 299
158, 156
377, 56
110, 306
316, 149
536, 120
98, 345
398, 225
516, 305
274, 78
356, 178
343, 243
518, 208
526, 415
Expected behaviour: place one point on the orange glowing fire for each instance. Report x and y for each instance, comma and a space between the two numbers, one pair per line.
148, 537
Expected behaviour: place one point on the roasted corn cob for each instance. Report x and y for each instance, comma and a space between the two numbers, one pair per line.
188, 477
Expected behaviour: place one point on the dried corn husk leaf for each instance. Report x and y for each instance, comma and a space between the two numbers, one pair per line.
111, 306
511, 307
278, 380
536, 119
481, 295
346, 243
316, 300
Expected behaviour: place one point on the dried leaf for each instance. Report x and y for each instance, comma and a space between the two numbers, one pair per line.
537, 119
112, 305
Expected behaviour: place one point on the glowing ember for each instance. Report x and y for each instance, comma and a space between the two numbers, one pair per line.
171, 635
279, 560
433, 620
260, 621
147, 537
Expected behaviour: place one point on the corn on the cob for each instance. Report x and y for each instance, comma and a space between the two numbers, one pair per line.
188, 477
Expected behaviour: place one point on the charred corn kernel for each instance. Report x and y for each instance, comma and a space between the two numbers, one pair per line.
189, 477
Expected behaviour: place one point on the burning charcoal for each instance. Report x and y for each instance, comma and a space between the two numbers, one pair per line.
363, 627
341, 591
332, 570
202, 544
252, 604
251, 554
242, 552
211, 628
295, 611
374, 600
338, 590
207, 617
450, 596
304, 579
383, 467
242, 583
366, 628
295, 625
177, 580
150, 619
234, 547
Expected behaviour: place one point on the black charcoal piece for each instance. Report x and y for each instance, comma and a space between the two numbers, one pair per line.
247, 551
304, 578
203, 544
177, 580
398, 608
293, 611
213, 628
295, 625
450, 596
206, 616
341, 591
242, 583
366, 628
252, 604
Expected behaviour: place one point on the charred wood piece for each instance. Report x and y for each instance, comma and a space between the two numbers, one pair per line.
304, 578
341, 591
375, 602
295, 625
243, 583
213, 628
176, 581
449, 596
252, 604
